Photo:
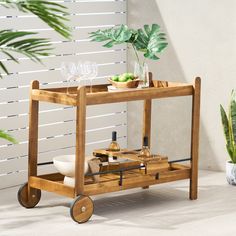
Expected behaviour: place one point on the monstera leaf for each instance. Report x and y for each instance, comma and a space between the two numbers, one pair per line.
150, 41
113, 35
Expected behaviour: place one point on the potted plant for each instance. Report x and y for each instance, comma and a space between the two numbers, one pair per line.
229, 127
150, 41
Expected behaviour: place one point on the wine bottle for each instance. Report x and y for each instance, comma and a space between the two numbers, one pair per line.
114, 146
145, 151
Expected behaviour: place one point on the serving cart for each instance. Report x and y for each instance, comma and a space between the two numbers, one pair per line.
110, 180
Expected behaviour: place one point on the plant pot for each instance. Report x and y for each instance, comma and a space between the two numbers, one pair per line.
231, 172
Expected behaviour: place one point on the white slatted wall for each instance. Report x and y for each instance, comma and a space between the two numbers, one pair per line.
57, 123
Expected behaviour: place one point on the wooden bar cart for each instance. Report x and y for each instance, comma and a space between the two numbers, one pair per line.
115, 180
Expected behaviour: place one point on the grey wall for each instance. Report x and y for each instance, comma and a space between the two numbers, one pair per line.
202, 42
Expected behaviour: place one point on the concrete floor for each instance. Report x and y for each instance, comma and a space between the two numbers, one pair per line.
161, 210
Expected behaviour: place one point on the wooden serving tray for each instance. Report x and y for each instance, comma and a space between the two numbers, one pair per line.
154, 164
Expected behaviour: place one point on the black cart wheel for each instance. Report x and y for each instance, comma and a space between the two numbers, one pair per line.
28, 201
81, 209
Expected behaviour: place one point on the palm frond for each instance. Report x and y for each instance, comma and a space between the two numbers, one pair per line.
6, 136
18, 41
53, 14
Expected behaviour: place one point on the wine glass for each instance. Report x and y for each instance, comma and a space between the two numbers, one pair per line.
69, 72
65, 72
93, 67
87, 70
81, 72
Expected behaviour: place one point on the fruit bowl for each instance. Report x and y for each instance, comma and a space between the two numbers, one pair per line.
129, 84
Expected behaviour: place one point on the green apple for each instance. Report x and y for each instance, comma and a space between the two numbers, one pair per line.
131, 76
115, 78
123, 78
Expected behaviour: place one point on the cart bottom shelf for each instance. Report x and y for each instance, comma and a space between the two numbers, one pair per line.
110, 182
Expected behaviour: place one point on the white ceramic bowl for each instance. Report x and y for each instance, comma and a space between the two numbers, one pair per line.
66, 165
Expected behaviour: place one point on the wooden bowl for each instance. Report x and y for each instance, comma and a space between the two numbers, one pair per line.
130, 84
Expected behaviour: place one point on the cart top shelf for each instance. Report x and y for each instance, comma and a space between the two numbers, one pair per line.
101, 95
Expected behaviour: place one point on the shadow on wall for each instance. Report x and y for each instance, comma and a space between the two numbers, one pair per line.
171, 120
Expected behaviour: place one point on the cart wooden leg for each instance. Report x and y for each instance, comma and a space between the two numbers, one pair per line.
193, 191
80, 141
147, 113
33, 138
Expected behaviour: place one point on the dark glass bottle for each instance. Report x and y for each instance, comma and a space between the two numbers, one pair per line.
114, 146
145, 151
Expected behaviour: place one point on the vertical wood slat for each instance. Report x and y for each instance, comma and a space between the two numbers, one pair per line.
80, 140
193, 194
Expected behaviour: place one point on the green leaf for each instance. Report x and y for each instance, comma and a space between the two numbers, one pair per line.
2, 66
147, 30
133, 37
52, 13
114, 35
225, 123
229, 126
150, 40
229, 150
233, 115
6, 136
109, 44
143, 37
10, 56
19, 42
151, 56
